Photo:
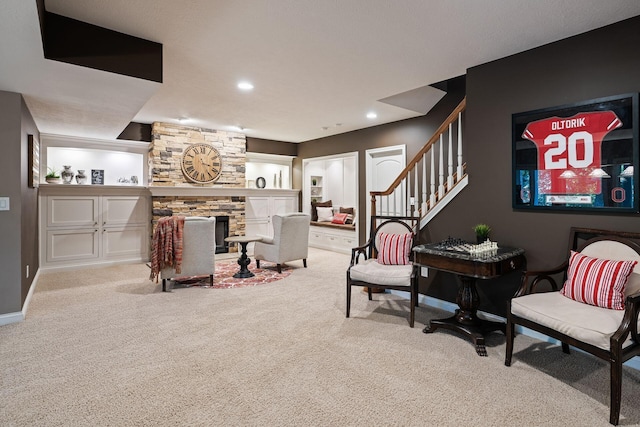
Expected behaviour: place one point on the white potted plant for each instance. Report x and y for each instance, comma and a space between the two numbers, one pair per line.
52, 176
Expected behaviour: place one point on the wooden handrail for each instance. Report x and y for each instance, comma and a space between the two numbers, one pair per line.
443, 127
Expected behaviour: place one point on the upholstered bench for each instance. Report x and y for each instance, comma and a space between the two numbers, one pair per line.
597, 308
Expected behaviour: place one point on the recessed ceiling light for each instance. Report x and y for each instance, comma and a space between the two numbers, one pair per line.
245, 86
371, 115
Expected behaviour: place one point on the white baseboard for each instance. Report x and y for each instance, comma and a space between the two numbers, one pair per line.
449, 306
19, 316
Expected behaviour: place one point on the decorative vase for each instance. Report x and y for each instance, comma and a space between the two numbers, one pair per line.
67, 175
81, 178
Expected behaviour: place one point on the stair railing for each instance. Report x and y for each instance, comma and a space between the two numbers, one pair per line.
424, 182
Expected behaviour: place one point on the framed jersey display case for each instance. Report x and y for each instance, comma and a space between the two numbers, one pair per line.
581, 156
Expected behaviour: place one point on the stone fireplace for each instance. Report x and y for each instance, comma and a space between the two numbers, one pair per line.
173, 194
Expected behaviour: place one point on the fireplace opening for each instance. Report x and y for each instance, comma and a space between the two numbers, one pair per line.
222, 231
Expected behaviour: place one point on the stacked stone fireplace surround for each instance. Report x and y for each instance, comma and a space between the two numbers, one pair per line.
165, 154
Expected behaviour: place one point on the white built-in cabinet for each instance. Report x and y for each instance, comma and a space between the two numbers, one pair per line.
83, 229
332, 178
261, 205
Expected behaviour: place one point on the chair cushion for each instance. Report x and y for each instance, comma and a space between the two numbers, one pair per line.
597, 281
394, 249
371, 271
587, 323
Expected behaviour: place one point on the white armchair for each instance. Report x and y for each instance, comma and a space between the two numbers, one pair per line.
290, 240
198, 251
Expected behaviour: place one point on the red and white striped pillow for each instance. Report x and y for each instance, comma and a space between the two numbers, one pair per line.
597, 281
394, 249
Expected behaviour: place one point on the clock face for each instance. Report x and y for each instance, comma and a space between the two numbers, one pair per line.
201, 163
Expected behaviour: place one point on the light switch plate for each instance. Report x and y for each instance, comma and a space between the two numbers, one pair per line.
4, 203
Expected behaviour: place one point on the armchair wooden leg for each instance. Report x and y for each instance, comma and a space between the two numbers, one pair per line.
164, 285
348, 297
369, 292
616, 390
565, 348
279, 267
510, 332
257, 263
304, 262
211, 279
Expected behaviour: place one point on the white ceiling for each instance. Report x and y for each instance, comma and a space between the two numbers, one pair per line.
315, 64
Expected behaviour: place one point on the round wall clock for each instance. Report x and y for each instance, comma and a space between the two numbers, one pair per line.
201, 163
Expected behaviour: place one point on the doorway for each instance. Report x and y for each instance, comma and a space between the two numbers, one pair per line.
383, 167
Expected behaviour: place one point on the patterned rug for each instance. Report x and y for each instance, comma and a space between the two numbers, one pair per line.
223, 276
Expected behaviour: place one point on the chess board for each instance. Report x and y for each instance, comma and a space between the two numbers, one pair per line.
455, 244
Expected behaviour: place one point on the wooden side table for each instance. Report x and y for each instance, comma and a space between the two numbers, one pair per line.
244, 260
469, 268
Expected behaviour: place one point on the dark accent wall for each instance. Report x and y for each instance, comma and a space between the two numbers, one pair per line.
76, 42
18, 225
136, 132
596, 64
29, 214
268, 146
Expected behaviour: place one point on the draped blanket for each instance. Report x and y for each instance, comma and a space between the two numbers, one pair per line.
166, 245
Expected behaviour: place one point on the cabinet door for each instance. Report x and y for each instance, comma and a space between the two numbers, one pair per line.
125, 242
257, 207
283, 205
72, 211
123, 210
72, 245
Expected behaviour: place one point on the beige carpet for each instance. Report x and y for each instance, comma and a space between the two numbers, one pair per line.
105, 347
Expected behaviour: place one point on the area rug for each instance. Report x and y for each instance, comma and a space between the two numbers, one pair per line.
223, 276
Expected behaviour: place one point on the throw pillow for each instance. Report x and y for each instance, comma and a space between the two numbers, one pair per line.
315, 205
597, 281
325, 214
349, 211
339, 218
394, 248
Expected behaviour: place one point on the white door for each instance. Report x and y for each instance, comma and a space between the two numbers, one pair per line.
383, 167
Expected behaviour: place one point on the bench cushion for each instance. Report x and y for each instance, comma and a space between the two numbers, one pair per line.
371, 271
587, 323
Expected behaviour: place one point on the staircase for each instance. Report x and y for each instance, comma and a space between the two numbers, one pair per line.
426, 185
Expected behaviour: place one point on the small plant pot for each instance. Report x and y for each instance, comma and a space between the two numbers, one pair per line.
54, 180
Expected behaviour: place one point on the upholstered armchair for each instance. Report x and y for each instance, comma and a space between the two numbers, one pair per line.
198, 252
290, 240
385, 262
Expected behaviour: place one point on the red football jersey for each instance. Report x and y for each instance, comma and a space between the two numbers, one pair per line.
569, 150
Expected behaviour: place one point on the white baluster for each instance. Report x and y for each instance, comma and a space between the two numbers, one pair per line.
441, 170
459, 171
416, 190
450, 159
424, 183
432, 197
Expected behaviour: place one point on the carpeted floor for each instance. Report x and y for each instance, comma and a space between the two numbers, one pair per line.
105, 347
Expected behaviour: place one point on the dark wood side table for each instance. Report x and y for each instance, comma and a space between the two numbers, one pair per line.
244, 260
469, 268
